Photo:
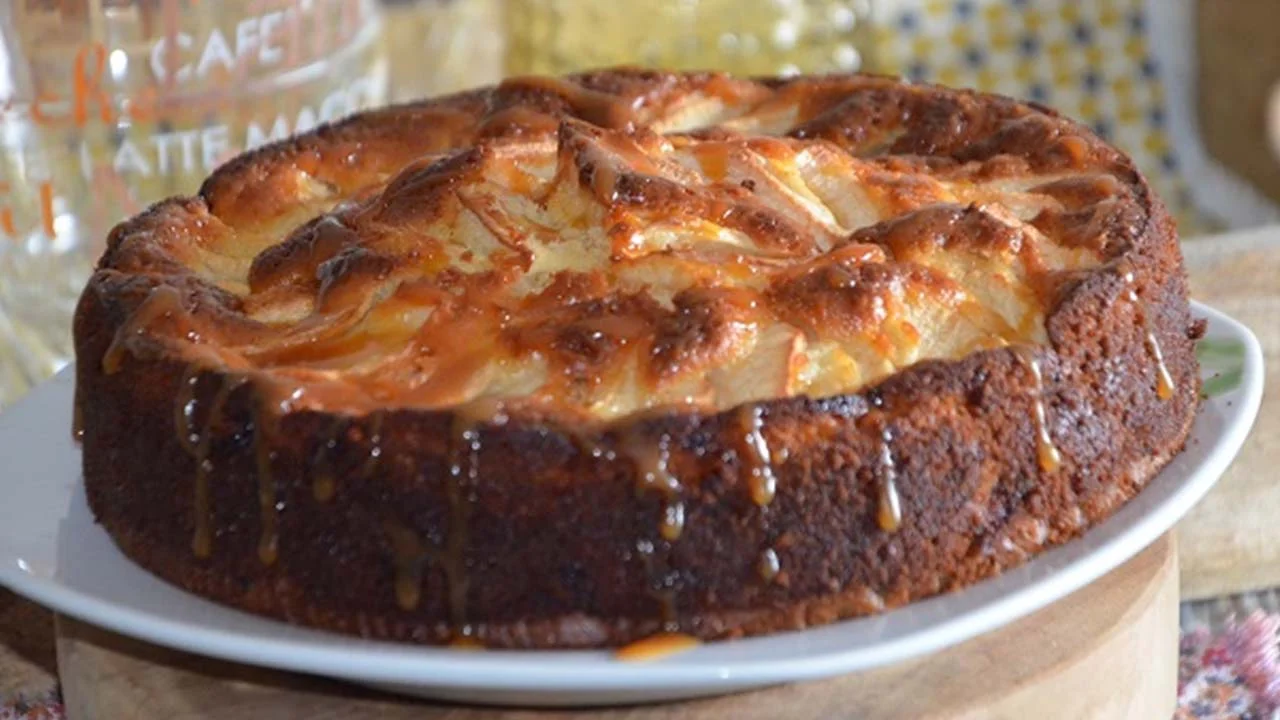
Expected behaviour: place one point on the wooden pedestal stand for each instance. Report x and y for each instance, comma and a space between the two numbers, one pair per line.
1108, 651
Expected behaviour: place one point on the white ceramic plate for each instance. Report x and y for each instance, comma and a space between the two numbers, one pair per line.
53, 552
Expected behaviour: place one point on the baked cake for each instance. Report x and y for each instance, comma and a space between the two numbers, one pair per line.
571, 362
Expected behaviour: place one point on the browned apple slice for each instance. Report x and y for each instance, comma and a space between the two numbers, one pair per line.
772, 368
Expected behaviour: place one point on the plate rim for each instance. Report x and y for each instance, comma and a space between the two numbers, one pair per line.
386, 662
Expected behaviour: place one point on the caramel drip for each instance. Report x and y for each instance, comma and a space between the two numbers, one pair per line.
184, 414
77, 422
199, 443
163, 301
1164, 381
656, 647
714, 158
595, 107
604, 182
589, 444
614, 157
1049, 457
672, 524
768, 565
761, 480
408, 556
666, 598
269, 541
466, 642
324, 487
653, 472
371, 463
889, 514
1165, 385
324, 481
516, 120
659, 590
464, 467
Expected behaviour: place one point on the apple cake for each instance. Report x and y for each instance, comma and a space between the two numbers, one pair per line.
568, 362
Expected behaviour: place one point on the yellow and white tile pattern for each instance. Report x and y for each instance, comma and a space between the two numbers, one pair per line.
1090, 59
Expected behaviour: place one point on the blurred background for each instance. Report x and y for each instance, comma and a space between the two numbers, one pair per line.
109, 105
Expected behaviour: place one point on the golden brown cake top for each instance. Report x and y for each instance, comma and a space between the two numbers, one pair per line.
622, 240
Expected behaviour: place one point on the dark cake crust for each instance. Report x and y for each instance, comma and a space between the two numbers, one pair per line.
525, 531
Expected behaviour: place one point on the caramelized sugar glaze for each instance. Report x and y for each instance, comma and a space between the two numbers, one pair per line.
571, 362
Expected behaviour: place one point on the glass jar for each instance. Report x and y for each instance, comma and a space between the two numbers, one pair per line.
742, 36
110, 105
442, 46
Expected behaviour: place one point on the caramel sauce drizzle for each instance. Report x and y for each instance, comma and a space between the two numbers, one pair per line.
324, 481
768, 565
653, 472
889, 513
517, 119
1165, 385
269, 541
410, 554
1047, 453
198, 444
371, 463
589, 444
77, 422
185, 410
672, 525
762, 482
464, 468
324, 487
408, 557
656, 647
598, 108
162, 301
665, 596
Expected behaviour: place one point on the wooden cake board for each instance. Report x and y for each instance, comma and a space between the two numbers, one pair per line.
1110, 650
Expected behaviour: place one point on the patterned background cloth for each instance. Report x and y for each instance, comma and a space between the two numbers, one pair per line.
1095, 60
1229, 660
